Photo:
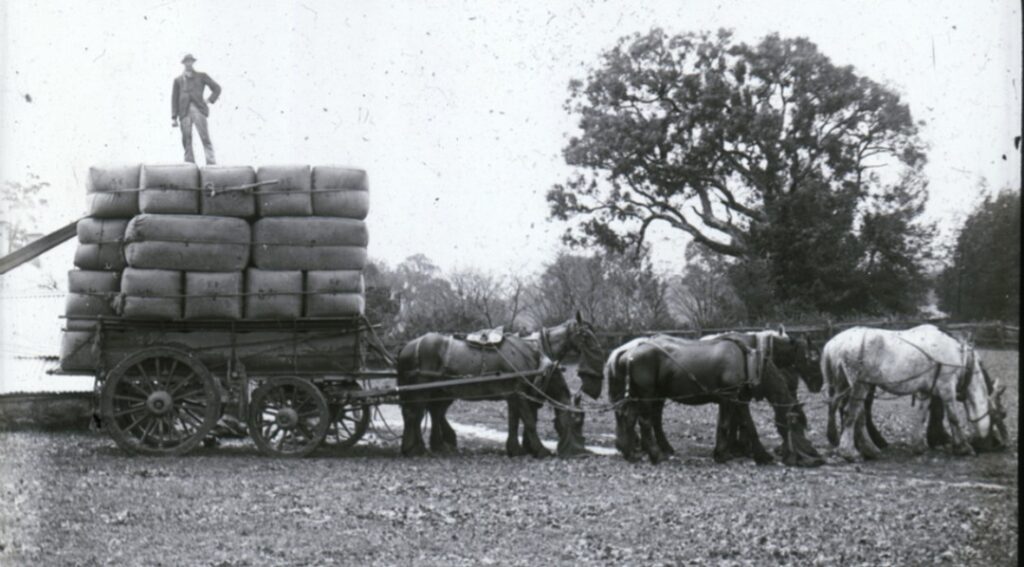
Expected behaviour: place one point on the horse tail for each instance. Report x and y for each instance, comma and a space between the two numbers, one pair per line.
833, 373
616, 379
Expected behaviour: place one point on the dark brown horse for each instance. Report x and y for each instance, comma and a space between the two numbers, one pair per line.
643, 373
796, 358
435, 357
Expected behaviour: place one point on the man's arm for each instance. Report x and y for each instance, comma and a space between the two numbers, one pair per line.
214, 88
174, 100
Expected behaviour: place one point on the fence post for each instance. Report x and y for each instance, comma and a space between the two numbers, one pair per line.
1002, 334
828, 329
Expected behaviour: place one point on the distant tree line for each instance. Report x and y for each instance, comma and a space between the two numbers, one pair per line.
982, 277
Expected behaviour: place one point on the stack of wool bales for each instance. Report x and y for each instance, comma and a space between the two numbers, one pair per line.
176, 242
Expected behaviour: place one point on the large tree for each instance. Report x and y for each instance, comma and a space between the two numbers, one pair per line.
727, 142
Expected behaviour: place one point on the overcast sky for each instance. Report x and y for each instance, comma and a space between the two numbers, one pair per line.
454, 109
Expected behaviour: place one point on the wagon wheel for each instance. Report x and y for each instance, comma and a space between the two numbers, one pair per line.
159, 401
349, 421
288, 417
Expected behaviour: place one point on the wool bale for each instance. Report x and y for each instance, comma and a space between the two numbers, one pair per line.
317, 243
187, 242
92, 230
335, 293
108, 257
213, 295
326, 304
78, 350
309, 257
113, 191
89, 281
273, 294
119, 205
90, 294
305, 231
101, 245
340, 192
169, 189
226, 203
111, 177
335, 281
151, 294
289, 197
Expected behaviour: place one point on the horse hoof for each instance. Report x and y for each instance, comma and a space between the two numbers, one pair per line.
764, 459
963, 450
657, 458
418, 451
851, 456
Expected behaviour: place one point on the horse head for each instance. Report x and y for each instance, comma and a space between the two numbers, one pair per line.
808, 363
790, 420
578, 335
983, 400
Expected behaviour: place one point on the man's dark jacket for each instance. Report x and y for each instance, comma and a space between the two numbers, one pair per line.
189, 90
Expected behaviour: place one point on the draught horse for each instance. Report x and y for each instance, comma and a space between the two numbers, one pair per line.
794, 356
923, 362
435, 357
645, 372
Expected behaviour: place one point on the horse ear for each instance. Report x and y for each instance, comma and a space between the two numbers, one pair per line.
579, 317
782, 329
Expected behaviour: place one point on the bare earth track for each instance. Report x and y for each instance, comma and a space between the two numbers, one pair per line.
75, 499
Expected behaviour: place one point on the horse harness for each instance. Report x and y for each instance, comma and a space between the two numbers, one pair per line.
962, 381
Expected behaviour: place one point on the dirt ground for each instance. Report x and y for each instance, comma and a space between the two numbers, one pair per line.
74, 499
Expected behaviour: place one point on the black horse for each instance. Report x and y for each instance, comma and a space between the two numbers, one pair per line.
643, 373
434, 357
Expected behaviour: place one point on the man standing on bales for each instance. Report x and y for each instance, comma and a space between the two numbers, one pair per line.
187, 105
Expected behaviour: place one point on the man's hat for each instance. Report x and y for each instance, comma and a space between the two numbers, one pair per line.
188, 57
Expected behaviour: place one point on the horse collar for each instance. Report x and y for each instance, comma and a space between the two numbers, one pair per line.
545, 343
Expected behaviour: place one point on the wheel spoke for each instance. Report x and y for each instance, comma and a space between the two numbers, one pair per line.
134, 409
130, 398
199, 420
147, 431
190, 393
135, 423
184, 382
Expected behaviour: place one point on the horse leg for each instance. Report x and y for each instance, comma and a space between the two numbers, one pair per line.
919, 445
937, 435
854, 408
647, 432
869, 422
862, 438
724, 434
657, 409
512, 446
960, 444
835, 403
749, 436
530, 437
412, 436
442, 436
625, 431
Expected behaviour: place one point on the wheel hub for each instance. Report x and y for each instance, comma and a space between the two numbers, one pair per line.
287, 417
159, 402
